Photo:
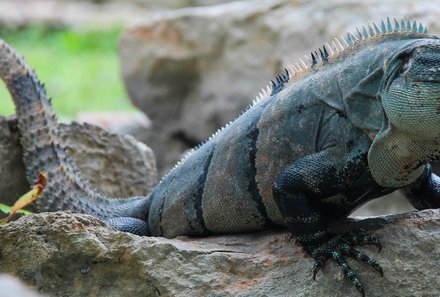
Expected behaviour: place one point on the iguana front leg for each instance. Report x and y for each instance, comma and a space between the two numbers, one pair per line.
424, 193
299, 192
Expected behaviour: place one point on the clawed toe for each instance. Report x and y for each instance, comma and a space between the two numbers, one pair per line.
340, 247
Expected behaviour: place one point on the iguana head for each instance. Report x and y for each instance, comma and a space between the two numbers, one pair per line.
410, 96
411, 90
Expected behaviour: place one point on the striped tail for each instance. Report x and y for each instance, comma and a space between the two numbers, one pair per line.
44, 152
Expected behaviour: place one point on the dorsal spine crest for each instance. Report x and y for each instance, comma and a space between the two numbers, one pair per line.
322, 55
338, 45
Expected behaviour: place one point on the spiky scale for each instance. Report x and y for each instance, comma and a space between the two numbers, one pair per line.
335, 46
408, 25
359, 33
389, 26
350, 39
421, 28
292, 70
318, 56
338, 42
268, 89
365, 32
376, 28
383, 27
344, 42
314, 62
355, 37
402, 25
323, 55
329, 48
414, 26
325, 51
396, 25
303, 63
370, 30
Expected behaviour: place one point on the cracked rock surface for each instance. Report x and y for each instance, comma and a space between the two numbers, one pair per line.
64, 254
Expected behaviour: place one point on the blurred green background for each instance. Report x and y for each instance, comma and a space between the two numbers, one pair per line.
80, 68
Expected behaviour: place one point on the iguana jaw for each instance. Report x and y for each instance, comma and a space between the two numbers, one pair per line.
410, 132
396, 160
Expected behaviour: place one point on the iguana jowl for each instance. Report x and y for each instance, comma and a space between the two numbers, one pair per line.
359, 119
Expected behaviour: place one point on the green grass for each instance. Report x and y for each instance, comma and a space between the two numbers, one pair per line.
79, 68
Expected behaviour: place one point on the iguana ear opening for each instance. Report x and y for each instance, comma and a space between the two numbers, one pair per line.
363, 105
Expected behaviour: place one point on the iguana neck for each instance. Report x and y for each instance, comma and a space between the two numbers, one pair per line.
396, 159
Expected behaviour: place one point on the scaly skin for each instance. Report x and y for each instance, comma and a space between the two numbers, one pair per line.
360, 119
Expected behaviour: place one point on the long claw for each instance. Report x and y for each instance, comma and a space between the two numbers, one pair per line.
316, 268
339, 247
348, 272
352, 252
319, 263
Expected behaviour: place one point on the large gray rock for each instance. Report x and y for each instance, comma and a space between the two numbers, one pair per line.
86, 13
13, 183
195, 69
117, 165
76, 255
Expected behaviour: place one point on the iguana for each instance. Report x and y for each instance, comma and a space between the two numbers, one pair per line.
358, 119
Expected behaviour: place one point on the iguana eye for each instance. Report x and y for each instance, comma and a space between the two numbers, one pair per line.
406, 64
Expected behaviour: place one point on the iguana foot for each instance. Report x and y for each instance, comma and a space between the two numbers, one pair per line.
341, 246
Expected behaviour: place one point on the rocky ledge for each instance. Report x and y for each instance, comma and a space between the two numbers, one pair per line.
64, 254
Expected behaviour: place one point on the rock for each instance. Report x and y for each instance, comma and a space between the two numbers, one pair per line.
56, 13
116, 121
86, 13
126, 166
65, 254
12, 287
171, 75
13, 182
389, 204
193, 70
